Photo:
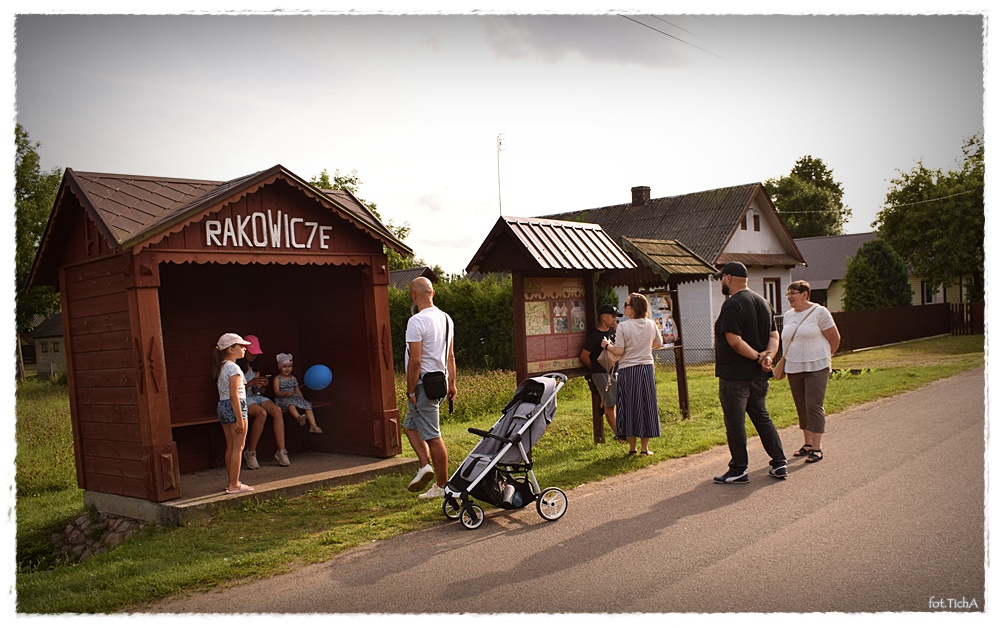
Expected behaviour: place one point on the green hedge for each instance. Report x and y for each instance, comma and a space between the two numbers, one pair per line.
484, 320
483, 315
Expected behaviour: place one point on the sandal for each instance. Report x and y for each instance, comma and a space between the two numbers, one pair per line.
632, 453
815, 455
803, 451
646, 453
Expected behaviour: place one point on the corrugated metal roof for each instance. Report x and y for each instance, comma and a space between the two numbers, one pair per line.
703, 221
401, 278
827, 256
555, 245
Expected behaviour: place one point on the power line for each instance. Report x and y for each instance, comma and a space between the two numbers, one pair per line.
931, 200
673, 37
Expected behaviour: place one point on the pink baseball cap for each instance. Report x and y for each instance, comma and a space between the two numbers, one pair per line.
254, 345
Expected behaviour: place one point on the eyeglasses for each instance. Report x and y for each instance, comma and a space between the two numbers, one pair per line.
627, 304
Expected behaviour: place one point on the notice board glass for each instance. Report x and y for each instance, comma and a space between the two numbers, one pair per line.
555, 323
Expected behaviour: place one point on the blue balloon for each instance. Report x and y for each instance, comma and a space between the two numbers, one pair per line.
318, 377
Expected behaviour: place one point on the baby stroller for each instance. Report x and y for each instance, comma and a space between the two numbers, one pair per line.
499, 470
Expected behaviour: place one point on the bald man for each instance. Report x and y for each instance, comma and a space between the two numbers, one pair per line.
430, 347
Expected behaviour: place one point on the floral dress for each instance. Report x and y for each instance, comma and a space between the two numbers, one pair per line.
289, 385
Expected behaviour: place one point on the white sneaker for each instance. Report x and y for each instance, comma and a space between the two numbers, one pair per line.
433, 492
424, 475
251, 458
282, 457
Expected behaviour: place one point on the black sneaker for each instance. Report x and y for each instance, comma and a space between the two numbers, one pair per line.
780, 473
732, 477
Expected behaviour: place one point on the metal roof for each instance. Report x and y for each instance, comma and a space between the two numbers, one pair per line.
550, 245
827, 257
401, 278
703, 221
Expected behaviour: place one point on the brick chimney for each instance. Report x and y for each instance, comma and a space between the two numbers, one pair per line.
640, 195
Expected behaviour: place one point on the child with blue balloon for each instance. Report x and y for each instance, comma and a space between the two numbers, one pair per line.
288, 396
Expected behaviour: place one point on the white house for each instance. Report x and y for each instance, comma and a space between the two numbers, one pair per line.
728, 224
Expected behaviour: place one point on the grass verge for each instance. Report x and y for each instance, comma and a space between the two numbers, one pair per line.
270, 537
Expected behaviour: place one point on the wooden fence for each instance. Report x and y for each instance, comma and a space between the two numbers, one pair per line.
874, 328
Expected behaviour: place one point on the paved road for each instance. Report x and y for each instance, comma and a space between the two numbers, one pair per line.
891, 519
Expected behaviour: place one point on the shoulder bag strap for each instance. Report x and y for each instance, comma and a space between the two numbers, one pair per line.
813, 309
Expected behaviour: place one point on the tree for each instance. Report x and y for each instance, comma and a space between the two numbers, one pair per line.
34, 195
351, 183
808, 200
876, 278
936, 220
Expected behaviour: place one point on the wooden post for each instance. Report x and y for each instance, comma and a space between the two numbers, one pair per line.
595, 399
679, 366
386, 439
520, 350
163, 476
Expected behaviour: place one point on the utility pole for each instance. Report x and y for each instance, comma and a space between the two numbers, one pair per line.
499, 148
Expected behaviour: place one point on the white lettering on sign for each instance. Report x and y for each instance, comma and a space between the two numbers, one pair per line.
259, 230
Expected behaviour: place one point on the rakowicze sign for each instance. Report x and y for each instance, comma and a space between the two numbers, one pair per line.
277, 230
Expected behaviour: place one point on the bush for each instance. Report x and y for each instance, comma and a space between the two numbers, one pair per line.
484, 321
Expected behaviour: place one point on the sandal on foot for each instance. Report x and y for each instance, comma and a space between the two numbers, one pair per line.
243, 488
646, 453
315, 429
632, 453
815, 455
804, 451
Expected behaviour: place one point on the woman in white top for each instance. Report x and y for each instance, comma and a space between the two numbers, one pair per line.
637, 336
807, 363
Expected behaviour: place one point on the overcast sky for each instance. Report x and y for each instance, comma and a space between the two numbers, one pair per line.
589, 106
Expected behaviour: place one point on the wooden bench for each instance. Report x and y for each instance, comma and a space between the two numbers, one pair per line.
214, 418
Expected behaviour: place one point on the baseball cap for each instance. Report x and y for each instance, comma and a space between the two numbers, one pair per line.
254, 345
228, 340
609, 309
735, 269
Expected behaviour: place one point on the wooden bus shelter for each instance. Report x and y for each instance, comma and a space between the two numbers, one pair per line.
151, 271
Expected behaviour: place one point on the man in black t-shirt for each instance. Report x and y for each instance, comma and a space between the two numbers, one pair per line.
746, 340
606, 384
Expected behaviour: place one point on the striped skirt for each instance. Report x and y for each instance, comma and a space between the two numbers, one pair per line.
637, 413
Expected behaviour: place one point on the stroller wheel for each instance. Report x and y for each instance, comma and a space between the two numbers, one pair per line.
551, 504
451, 508
472, 516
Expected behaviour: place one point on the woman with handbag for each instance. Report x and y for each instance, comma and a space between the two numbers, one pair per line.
638, 413
809, 337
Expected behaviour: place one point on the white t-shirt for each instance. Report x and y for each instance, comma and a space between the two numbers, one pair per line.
228, 370
809, 350
428, 327
636, 336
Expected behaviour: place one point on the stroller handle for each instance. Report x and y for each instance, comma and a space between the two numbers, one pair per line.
559, 377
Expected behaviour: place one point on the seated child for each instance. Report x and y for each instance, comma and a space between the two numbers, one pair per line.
287, 394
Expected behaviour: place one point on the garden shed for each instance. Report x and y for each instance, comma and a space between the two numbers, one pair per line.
151, 271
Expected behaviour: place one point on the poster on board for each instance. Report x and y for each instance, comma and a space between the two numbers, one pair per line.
555, 323
660, 312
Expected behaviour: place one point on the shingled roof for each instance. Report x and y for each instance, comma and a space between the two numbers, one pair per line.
827, 257
133, 210
703, 221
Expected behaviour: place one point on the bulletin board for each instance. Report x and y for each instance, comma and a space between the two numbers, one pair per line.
555, 323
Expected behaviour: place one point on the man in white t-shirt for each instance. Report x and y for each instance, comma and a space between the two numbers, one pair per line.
430, 347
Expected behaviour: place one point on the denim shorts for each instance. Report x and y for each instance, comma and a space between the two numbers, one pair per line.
423, 416
225, 411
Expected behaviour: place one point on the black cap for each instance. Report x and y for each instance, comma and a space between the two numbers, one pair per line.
735, 269
609, 309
